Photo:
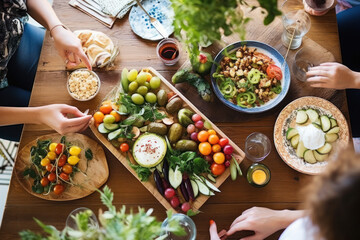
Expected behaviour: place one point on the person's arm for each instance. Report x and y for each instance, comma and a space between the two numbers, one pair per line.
263, 221
67, 44
333, 75
54, 116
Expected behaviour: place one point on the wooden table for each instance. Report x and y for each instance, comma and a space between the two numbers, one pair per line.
282, 191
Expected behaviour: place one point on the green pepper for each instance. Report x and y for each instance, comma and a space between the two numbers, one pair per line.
252, 98
277, 89
242, 99
227, 88
254, 76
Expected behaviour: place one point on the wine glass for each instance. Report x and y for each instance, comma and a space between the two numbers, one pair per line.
71, 219
186, 222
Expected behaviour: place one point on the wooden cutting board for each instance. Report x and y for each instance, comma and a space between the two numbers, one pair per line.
150, 184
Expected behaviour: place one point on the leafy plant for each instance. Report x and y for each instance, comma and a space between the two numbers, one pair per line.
200, 22
188, 162
114, 225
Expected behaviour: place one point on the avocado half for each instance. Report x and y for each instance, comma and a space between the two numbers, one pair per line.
149, 150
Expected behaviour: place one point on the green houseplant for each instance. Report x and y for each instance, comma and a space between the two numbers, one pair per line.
115, 225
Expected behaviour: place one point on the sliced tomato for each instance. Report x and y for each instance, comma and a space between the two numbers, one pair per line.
274, 71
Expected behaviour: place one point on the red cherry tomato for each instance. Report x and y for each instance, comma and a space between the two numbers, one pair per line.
196, 117
274, 71
124, 147
50, 168
185, 207
217, 169
223, 142
67, 169
64, 176
174, 202
62, 160
169, 193
59, 149
228, 149
51, 177
58, 189
44, 182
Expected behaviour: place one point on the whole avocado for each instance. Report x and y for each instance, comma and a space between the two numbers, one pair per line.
202, 63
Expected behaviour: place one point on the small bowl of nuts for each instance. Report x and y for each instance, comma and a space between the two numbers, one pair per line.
83, 84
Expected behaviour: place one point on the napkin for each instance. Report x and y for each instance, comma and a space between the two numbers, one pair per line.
116, 8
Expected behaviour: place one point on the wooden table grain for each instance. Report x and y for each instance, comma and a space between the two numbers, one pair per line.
283, 191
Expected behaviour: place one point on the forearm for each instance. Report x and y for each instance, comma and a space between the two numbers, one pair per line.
356, 83
42, 12
19, 115
289, 216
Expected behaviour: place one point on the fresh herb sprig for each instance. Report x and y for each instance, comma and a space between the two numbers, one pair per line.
142, 172
189, 162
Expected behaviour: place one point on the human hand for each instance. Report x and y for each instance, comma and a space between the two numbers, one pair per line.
56, 117
69, 47
214, 235
262, 221
333, 75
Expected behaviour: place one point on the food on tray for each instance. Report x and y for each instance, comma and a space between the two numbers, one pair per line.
202, 86
98, 47
83, 84
313, 135
248, 78
161, 136
53, 165
202, 63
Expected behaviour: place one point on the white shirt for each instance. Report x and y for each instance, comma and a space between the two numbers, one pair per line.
301, 229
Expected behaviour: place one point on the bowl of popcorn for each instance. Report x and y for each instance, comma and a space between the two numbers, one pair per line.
83, 84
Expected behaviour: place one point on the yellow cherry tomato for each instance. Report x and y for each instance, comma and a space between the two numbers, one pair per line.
219, 158
75, 151
211, 132
51, 155
44, 162
52, 147
73, 160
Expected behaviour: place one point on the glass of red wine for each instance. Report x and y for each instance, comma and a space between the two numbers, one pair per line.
168, 50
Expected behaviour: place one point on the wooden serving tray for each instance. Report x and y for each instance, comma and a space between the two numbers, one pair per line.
97, 170
150, 184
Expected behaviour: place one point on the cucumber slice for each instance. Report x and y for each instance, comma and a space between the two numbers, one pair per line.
325, 123
317, 125
333, 122
175, 177
300, 149
291, 132
309, 156
312, 114
334, 130
331, 137
143, 129
203, 189
318, 122
195, 188
212, 193
114, 134
320, 157
102, 129
295, 141
111, 126
301, 117
210, 185
325, 149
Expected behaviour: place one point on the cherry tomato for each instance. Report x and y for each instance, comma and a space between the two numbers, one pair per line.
205, 148
196, 117
169, 193
274, 71
199, 124
44, 182
228, 149
217, 169
58, 189
194, 136
50, 168
174, 202
124, 147
191, 128
62, 160
185, 207
64, 176
216, 148
106, 108
51, 177
59, 149
44, 162
227, 163
219, 158
213, 139
51, 156
211, 132
52, 147
73, 160
116, 115
223, 142
203, 136
75, 151
99, 117
67, 169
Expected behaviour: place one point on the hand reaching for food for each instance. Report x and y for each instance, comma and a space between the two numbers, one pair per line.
56, 117
69, 47
333, 75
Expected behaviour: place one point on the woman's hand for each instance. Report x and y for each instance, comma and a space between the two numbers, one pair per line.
214, 234
69, 47
263, 222
56, 117
333, 75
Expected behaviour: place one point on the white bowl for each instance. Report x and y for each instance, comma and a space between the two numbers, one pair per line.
73, 95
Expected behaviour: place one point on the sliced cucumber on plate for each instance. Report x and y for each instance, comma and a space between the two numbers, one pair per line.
291, 132
312, 114
114, 134
301, 150
325, 149
325, 123
301, 117
333, 122
331, 137
334, 130
295, 141
320, 157
309, 156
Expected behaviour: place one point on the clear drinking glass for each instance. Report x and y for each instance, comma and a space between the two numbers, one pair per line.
186, 222
168, 50
71, 223
320, 6
296, 24
257, 147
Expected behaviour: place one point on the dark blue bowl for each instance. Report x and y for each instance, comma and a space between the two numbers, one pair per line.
269, 51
